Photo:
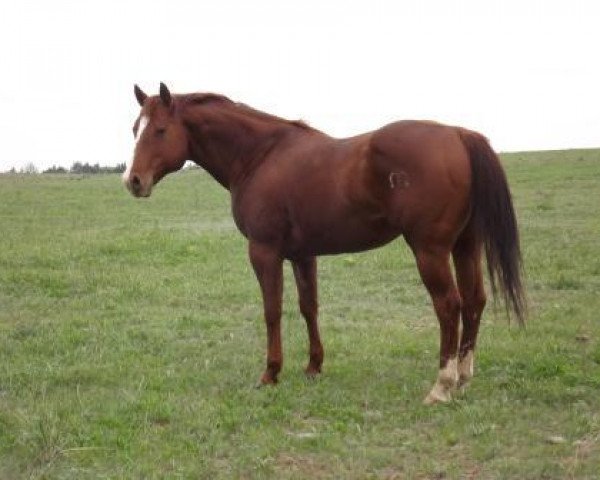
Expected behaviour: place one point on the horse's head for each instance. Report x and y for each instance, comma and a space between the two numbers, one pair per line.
161, 142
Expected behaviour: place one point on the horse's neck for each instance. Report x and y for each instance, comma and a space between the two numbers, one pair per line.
229, 144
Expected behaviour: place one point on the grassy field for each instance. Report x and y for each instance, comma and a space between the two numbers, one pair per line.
131, 336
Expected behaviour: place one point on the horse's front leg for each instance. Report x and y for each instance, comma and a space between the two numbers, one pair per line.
268, 266
305, 272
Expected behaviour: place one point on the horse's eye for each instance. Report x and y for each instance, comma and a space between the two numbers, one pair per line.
160, 131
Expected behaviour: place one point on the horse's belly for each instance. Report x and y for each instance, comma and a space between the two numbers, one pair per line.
328, 238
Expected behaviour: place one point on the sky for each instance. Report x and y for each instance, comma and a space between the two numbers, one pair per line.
524, 73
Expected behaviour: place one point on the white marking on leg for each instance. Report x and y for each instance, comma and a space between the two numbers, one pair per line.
141, 127
445, 383
465, 369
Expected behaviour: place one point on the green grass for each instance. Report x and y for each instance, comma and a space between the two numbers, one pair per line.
131, 336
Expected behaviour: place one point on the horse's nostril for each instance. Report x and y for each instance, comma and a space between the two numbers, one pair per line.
136, 182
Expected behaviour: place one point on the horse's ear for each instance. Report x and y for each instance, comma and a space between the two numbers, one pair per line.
140, 95
165, 95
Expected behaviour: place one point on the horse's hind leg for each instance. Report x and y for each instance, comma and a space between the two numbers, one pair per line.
305, 272
434, 267
469, 275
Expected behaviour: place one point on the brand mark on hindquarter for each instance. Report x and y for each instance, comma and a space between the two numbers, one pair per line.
399, 179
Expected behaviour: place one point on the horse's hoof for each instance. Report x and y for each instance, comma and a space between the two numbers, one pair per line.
312, 372
266, 379
433, 399
437, 395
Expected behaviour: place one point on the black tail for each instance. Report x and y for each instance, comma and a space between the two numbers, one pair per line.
493, 218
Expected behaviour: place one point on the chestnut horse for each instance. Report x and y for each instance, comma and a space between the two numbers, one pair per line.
297, 193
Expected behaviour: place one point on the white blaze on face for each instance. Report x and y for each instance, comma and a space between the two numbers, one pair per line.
141, 127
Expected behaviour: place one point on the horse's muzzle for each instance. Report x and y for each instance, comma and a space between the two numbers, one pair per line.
136, 186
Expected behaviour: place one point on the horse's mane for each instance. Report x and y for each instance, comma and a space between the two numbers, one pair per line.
205, 98
202, 98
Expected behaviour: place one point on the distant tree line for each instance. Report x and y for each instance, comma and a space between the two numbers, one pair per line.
79, 167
